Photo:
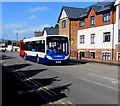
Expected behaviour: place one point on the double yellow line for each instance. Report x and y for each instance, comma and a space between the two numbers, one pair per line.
67, 103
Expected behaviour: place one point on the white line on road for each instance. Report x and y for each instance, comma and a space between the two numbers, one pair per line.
100, 84
115, 80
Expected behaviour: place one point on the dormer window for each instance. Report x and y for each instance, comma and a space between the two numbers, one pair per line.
82, 23
106, 17
92, 21
64, 24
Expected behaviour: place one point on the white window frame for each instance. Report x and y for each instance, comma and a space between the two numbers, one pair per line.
106, 52
106, 34
92, 20
92, 38
118, 35
117, 55
106, 17
82, 39
63, 24
82, 23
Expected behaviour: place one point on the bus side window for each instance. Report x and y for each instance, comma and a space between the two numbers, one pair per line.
22, 46
37, 46
33, 46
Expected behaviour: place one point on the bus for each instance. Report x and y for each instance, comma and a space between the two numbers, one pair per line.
46, 49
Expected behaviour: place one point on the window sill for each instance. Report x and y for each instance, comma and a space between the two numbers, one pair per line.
82, 43
82, 26
92, 25
64, 28
106, 21
106, 42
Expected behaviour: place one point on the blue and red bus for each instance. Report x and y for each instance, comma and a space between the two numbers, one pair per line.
46, 49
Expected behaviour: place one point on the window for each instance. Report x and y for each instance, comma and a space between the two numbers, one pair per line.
64, 24
106, 17
118, 56
92, 38
119, 36
28, 46
92, 55
106, 56
82, 23
82, 38
40, 46
92, 21
106, 37
23, 46
119, 11
82, 54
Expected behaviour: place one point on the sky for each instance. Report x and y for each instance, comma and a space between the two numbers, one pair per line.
26, 17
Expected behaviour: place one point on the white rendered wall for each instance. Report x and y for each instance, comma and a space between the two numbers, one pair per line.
63, 15
98, 31
44, 33
117, 26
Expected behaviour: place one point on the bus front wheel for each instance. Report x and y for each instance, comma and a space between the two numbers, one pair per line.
37, 59
25, 57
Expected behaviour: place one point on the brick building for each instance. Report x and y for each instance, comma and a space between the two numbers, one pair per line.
69, 24
93, 31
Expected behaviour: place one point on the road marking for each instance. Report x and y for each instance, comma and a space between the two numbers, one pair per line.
71, 103
100, 84
45, 88
51, 103
63, 103
115, 82
103, 77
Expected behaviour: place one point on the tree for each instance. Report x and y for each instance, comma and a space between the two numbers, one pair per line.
8, 42
14, 43
57, 26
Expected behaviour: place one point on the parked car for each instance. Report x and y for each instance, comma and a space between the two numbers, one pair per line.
2, 48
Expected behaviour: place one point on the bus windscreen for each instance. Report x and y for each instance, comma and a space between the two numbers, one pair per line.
57, 45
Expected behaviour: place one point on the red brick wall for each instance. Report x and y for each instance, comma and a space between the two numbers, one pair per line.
98, 54
64, 31
98, 19
71, 31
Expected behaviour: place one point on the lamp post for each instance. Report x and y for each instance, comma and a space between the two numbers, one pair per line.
17, 37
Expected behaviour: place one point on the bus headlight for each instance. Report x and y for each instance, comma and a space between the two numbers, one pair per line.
66, 57
50, 58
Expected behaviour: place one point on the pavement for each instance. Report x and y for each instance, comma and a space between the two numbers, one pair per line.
90, 61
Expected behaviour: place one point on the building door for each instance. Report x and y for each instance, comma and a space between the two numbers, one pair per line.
82, 54
92, 55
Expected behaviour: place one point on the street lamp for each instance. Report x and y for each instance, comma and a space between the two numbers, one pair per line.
17, 37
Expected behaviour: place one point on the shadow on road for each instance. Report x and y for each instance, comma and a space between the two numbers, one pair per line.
4, 57
29, 73
46, 96
71, 62
46, 81
18, 66
20, 91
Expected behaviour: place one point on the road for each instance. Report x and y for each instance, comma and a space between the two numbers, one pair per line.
71, 84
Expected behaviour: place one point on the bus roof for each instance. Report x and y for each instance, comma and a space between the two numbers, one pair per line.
40, 38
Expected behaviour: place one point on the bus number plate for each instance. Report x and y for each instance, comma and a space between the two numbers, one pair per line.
58, 61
